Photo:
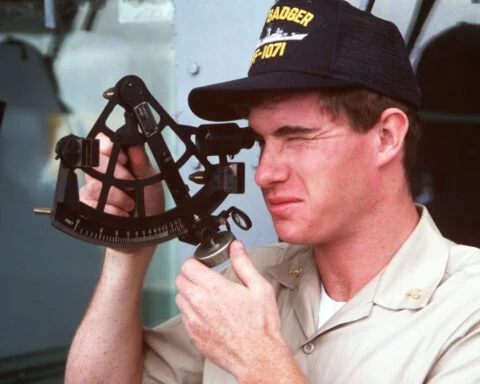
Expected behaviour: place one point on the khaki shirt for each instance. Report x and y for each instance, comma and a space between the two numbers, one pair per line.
418, 321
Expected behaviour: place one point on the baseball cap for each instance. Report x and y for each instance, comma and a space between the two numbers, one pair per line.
315, 44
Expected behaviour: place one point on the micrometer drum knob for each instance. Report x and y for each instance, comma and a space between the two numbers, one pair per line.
215, 252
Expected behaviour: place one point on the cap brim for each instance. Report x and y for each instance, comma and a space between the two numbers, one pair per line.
223, 101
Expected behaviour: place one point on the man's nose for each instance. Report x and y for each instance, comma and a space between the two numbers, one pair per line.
272, 167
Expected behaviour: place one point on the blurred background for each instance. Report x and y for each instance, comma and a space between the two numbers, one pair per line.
58, 56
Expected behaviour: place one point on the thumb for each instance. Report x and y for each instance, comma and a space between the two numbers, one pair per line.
139, 162
242, 264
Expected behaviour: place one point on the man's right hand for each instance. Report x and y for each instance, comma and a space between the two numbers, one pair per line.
134, 164
107, 347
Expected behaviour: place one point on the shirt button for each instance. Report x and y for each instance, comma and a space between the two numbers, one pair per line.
308, 348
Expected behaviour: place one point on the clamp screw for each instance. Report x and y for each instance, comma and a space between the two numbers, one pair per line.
109, 93
42, 211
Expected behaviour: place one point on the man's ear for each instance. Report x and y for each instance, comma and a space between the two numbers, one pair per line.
392, 127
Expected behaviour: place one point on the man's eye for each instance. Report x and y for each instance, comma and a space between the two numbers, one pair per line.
295, 138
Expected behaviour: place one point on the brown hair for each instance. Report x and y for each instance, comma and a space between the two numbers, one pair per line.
363, 108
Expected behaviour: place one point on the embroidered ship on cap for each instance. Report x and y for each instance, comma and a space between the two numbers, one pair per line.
280, 35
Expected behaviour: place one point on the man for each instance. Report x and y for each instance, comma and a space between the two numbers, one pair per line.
364, 289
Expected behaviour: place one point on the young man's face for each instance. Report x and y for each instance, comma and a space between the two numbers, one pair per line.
317, 175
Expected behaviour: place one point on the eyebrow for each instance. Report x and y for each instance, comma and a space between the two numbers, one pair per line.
287, 130
293, 129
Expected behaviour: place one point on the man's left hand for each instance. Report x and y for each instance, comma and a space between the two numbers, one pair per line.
235, 325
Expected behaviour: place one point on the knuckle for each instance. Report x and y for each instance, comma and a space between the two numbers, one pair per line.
82, 193
178, 302
121, 173
103, 163
89, 191
115, 211
257, 290
187, 266
178, 281
263, 289
106, 144
196, 300
268, 288
120, 198
196, 326
92, 185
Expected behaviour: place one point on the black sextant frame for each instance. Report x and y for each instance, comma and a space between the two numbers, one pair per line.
191, 220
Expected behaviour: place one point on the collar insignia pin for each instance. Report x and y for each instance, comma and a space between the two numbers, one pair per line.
295, 271
414, 293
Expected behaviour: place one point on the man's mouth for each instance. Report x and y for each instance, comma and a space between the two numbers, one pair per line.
281, 205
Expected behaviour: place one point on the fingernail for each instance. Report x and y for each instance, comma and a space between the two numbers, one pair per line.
237, 246
130, 205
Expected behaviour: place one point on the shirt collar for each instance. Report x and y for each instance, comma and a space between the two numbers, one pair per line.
416, 270
298, 265
299, 273
408, 281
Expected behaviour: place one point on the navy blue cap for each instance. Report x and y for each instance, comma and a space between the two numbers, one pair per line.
312, 44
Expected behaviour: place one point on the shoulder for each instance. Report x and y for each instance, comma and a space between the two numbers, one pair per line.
456, 311
460, 287
463, 259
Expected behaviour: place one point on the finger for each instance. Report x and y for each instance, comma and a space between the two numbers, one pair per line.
196, 296
139, 162
200, 275
183, 306
242, 265
189, 296
120, 172
155, 194
110, 209
184, 286
116, 197
106, 147
190, 318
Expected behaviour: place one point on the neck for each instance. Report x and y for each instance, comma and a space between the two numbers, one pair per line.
347, 265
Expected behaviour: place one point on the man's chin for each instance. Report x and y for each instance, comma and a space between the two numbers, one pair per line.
290, 236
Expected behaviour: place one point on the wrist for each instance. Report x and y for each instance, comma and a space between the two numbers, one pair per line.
127, 266
276, 366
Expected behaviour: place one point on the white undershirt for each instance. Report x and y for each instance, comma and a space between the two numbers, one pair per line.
327, 307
